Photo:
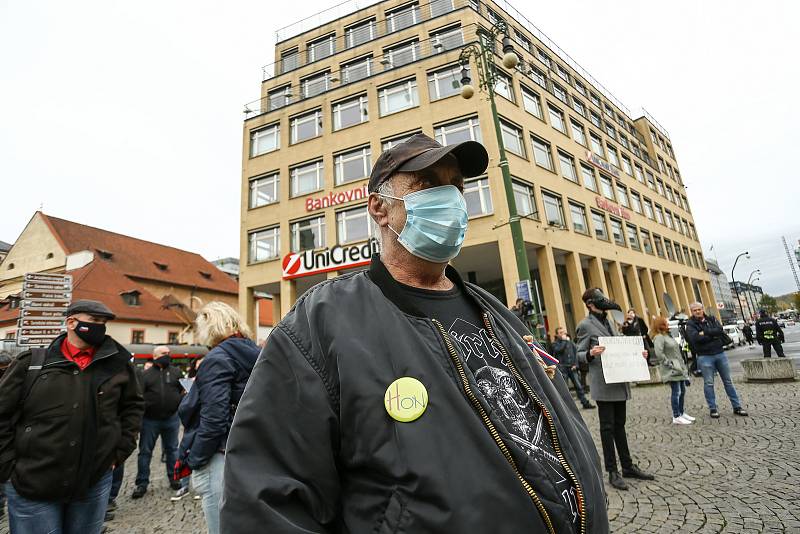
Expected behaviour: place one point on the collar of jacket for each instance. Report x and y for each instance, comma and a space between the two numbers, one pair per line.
108, 348
382, 278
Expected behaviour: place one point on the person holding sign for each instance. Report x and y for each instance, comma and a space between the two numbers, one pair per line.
611, 396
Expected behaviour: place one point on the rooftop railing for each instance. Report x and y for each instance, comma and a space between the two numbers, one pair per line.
323, 17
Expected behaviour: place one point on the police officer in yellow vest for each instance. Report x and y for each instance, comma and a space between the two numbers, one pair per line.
769, 334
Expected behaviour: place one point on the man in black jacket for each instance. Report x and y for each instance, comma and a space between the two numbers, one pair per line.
565, 351
68, 415
769, 334
704, 334
403, 399
5, 361
162, 395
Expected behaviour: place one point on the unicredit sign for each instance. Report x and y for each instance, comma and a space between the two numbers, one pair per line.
310, 262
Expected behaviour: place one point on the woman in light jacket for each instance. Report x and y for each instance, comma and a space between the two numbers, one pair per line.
673, 368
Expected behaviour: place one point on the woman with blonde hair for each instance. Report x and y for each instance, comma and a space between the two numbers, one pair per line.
673, 368
207, 410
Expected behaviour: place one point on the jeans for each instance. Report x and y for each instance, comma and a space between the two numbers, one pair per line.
612, 417
718, 363
168, 429
116, 481
80, 516
207, 482
573, 376
767, 347
678, 394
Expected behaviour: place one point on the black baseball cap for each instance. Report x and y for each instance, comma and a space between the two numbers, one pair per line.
419, 152
92, 307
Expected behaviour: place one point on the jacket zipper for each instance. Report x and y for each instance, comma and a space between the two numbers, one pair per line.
492, 430
550, 424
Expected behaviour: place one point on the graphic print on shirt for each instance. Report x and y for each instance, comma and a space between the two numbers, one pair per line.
520, 416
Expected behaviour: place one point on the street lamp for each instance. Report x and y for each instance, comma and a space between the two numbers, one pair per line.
749, 293
488, 75
733, 278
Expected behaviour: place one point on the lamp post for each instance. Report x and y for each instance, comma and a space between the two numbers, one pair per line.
733, 278
749, 293
488, 76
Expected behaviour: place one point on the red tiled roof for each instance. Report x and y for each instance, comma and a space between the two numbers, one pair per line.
137, 258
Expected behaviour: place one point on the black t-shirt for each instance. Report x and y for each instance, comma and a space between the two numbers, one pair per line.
520, 415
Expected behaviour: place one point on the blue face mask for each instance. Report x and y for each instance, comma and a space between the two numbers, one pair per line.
436, 221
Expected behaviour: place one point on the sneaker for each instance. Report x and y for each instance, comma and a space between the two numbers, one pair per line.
680, 421
109, 517
617, 481
112, 505
714, 414
180, 494
740, 412
139, 492
197, 497
688, 417
175, 485
634, 472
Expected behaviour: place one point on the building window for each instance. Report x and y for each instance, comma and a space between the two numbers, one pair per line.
567, 163
623, 141
578, 106
537, 76
523, 41
606, 187
440, 7
541, 153
457, 132
594, 98
678, 255
580, 87
403, 17
578, 133
447, 39
350, 112
131, 298
626, 165
647, 244
172, 338
599, 223
651, 180
265, 140
595, 119
321, 48
659, 246
637, 172
264, 244
544, 58
444, 83
351, 166
578, 214
648, 209
398, 97
636, 202
278, 98
353, 225
553, 209
401, 54
308, 234
386, 144
588, 177
612, 133
306, 178
694, 258
597, 145
557, 119
137, 337
525, 200
512, 138
290, 60
660, 187
478, 197
668, 219
622, 195
503, 87
616, 232
264, 190
670, 253
531, 102
560, 93
670, 195
359, 33
306, 126
659, 214
356, 70
633, 237
613, 157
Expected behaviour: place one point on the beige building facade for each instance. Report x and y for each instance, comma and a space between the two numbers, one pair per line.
600, 191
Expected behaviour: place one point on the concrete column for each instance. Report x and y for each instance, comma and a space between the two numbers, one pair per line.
247, 308
658, 281
672, 290
276, 309
682, 297
288, 296
649, 294
508, 265
638, 304
550, 287
618, 285
597, 276
687, 284
576, 285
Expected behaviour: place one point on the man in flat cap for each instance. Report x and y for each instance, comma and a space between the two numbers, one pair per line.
403, 399
68, 414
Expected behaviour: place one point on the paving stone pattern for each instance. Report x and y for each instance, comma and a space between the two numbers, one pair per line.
731, 475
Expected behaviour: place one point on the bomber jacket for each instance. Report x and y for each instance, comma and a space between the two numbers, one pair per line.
72, 426
312, 448
162, 391
710, 342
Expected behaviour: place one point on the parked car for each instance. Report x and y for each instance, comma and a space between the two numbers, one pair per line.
735, 334
790, 322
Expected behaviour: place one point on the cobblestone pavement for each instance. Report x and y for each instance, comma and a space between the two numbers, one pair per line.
731, 475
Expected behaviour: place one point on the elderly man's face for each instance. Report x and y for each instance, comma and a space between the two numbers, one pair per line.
697, 312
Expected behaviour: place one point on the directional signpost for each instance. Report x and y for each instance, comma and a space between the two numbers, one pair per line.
45, 299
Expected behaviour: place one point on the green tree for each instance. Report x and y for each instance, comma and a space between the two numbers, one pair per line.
796, 301
768, 303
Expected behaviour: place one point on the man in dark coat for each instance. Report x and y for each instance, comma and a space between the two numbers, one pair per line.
769, 335
68, 415
747, 330
565, 351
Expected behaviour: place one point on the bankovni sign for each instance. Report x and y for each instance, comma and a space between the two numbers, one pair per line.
310, 262
334, 199
612, 208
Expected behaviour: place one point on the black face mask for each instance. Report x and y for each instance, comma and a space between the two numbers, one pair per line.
602, 302
91, 333
163, 361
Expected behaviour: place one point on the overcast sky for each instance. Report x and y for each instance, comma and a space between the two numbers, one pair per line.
127, 115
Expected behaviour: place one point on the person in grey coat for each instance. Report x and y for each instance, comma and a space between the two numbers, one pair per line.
611, 399
672, 368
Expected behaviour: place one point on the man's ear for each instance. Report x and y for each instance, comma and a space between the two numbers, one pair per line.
378, 209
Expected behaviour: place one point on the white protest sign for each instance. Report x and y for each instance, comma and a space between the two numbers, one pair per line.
623, 360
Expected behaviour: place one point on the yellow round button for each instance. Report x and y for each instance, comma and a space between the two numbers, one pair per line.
406, 399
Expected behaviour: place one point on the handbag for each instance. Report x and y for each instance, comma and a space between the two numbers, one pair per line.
726, 339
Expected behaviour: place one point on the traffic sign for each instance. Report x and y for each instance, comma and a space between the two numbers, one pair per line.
46, 304
47, 277
39, 332
48, 286
41, 322
524, 290
45, 299
47, 295
34, 341
53, 312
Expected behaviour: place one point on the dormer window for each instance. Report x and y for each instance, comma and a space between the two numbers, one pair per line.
49, 256
10, 266
131, 298
205, 275
105, 254
160, 266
